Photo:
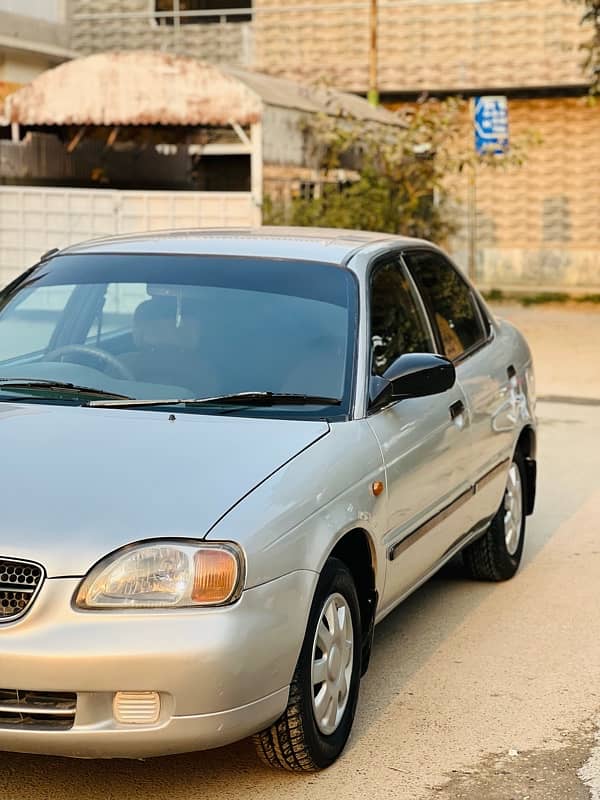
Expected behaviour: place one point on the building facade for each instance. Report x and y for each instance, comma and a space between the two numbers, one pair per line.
132, 141
424, 45
535, 225
34, 36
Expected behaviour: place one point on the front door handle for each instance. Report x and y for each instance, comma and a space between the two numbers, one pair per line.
456, 409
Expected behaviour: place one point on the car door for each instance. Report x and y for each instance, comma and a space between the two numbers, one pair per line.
483, 369
424, 441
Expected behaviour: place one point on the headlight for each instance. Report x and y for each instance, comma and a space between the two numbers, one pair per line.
165, 574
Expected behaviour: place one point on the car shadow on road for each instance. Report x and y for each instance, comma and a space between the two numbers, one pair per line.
406, 639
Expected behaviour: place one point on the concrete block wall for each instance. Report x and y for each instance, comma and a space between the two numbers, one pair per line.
218, 43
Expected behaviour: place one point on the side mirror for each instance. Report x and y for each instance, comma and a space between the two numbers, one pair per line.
412, 375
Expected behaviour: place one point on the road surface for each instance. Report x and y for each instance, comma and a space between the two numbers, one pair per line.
476, 691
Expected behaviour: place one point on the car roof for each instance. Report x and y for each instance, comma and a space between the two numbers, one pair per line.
329, 245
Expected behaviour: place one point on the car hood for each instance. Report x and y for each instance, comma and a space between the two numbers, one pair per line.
77, 483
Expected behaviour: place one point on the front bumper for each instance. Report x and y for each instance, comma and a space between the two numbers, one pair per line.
222, 673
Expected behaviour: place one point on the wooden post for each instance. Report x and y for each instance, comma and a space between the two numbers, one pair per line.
472, 208
373, 94
256, 171
472, 264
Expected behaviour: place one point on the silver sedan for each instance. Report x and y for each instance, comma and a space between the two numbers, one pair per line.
227, 456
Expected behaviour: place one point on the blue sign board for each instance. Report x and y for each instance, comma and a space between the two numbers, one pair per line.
491, 124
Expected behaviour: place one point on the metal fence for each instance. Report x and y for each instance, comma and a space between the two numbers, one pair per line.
34, 219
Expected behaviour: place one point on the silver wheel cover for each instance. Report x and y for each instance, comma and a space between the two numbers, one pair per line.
332, 660
513, 509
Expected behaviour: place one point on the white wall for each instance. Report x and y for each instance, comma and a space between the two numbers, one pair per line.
35, 218
22, 68
48, 10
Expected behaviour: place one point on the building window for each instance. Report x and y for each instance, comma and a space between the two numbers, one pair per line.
177, 11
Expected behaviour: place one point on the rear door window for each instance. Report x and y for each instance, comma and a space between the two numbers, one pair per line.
450, 301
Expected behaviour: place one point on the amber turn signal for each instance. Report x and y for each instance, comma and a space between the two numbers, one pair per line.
377, 488
216, 576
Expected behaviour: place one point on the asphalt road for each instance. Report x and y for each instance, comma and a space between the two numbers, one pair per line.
476, 691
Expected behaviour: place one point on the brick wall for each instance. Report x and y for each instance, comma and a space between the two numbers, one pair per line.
538, 224
425, 45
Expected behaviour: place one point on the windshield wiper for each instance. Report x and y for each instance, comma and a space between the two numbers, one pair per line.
240, 398
58, 386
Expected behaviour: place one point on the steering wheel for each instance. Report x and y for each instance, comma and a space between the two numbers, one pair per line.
94, 352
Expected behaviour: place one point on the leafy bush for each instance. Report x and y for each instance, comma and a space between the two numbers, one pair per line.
397, 177
591, 16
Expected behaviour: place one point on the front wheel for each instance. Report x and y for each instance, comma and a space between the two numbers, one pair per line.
314, 729
496, 555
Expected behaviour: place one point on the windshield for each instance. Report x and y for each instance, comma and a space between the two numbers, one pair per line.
176, 326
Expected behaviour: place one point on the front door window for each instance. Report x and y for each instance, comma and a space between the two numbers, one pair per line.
398, 325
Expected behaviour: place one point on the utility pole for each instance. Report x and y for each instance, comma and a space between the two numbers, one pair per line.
472, 206
373, 94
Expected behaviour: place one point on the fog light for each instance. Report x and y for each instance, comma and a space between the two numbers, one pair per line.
136, 708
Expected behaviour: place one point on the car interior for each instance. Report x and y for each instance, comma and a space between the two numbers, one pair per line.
189, 341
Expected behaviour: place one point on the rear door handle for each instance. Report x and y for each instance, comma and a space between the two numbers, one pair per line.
456, 409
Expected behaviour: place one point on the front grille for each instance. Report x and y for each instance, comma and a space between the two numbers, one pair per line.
37, 710
19, 584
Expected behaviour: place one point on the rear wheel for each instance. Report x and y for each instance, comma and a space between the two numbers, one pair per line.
497, 555
314, 729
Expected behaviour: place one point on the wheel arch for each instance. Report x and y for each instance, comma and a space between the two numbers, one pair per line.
527, 446
357, 551
527, 442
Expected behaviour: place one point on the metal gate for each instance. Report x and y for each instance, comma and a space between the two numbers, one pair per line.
33, 219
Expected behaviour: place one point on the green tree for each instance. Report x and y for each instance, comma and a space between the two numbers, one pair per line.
398, 177
591, 17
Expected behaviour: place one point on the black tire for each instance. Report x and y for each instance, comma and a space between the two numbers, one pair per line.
295, 742
488, 558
